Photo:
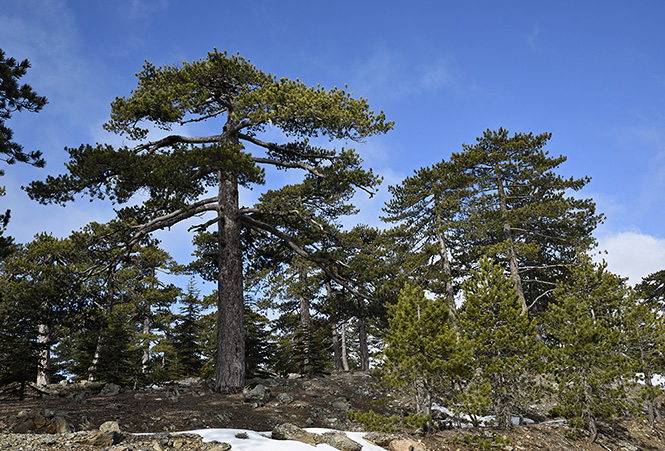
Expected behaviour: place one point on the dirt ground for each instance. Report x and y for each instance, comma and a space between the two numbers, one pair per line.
318, 402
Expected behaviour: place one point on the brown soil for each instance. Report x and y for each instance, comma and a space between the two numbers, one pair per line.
188, 407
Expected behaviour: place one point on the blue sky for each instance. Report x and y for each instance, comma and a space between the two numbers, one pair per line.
592, 75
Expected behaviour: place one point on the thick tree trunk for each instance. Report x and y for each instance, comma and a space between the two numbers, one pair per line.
508, 236
230, 371
44, 367
305, 322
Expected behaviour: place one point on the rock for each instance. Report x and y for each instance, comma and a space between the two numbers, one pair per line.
61, 425
221, 447
259, 394
109, 426
381, 439
288, 431
38, 422
21, 428
341, 442
341, 404
284, 398
110, 390
405, 444
103, 438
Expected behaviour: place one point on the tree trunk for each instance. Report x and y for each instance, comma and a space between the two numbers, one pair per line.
337, 351
362, 338
92, 369
445, 263
508, 236
230, 371
101, 338
305, 322
146, 346
423, 397
345, 352
44, 367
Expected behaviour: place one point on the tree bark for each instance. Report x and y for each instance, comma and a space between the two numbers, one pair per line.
44, 367
364, 348
305, 322
146, 347
230, 371
337, 351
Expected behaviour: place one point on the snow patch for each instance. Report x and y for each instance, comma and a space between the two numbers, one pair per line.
261, 441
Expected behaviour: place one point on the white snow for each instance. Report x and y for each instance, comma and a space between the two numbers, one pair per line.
261, 441
467, 422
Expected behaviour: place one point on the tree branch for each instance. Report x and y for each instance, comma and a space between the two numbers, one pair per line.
177, 139
301, 251
287, 164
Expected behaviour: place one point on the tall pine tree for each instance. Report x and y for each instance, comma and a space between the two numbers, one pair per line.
178, 171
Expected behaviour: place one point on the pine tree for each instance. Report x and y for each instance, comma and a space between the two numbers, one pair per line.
422, 353
185, 337
503, 342
178, 171
584, 328
39, 293
14, 98
644, 334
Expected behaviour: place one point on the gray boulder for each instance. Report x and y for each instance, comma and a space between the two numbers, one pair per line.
258, 394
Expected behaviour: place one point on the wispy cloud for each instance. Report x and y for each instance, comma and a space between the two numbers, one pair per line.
392, 74
141, 9
533, 37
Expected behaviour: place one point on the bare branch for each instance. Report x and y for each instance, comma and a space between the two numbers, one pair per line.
541, 296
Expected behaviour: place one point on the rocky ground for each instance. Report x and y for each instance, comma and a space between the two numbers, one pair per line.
69, 418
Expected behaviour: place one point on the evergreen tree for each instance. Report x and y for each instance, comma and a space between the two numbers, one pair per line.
585, 330
39, 293
426, 209
422, 353
14, 98
652, 289
519, 211
644, 329
500, 197
185, 337
503, 341
177, 171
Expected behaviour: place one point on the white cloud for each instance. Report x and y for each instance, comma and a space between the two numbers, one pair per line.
632, 254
